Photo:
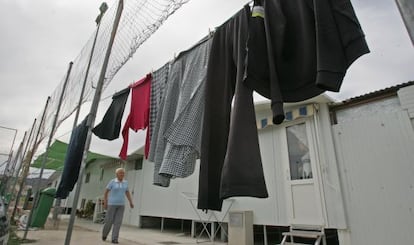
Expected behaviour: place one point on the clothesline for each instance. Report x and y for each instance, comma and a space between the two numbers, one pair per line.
208, 36
187, 103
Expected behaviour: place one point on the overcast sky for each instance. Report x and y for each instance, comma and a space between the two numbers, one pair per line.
39, 38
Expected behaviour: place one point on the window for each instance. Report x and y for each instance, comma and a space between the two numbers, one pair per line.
83, 203
138, 164
87, 178
298, 148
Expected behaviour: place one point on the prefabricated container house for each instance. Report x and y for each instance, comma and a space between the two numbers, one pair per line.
343, 169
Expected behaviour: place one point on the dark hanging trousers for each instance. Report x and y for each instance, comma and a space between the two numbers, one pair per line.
230, 156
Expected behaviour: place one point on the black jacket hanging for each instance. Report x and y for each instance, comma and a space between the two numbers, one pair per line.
301, 48
110, 126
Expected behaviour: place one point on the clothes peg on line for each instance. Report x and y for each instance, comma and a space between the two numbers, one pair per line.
210, 32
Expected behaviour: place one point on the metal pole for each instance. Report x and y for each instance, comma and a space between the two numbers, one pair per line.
45, 156
20, 166
103, 9
25, 142
91, 119
9, 160
11, 148
5, 173
18, 156
8, 163
265, 235
89, 65
29, 158
406, 8
10, 169
23, 176
18, 153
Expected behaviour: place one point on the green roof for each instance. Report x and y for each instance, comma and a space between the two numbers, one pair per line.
56, 157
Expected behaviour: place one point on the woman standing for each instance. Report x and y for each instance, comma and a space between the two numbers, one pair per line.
114, 203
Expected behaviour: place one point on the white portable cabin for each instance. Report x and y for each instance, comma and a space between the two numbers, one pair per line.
374, 144
311, 197
345, 167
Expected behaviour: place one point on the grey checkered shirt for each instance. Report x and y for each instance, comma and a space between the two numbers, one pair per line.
177, 133
158, 82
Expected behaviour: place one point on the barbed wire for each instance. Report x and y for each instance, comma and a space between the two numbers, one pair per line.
140, 19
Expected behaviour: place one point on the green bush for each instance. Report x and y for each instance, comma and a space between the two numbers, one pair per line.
88, 211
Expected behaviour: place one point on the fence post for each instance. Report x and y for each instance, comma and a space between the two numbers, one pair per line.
91, 119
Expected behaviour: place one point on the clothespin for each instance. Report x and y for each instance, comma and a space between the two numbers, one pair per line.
210, 32
251, 4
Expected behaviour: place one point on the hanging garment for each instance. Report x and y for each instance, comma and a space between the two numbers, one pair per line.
158, 83
301, 48
157, 141
138, 117
183, 146
73, 160
178, 129
110, 126
257, 72
230, 156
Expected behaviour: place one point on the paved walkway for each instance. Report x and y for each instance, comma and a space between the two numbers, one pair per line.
87, 232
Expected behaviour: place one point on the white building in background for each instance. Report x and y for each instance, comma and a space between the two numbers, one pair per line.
345, 167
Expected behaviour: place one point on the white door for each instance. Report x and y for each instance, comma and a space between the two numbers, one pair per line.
135, 190
301, 167
128, 213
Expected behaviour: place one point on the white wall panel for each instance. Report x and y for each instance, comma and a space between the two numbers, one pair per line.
406, 96
131, 215
159, 201
169, 202
376, 159
386, 105
330, 183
